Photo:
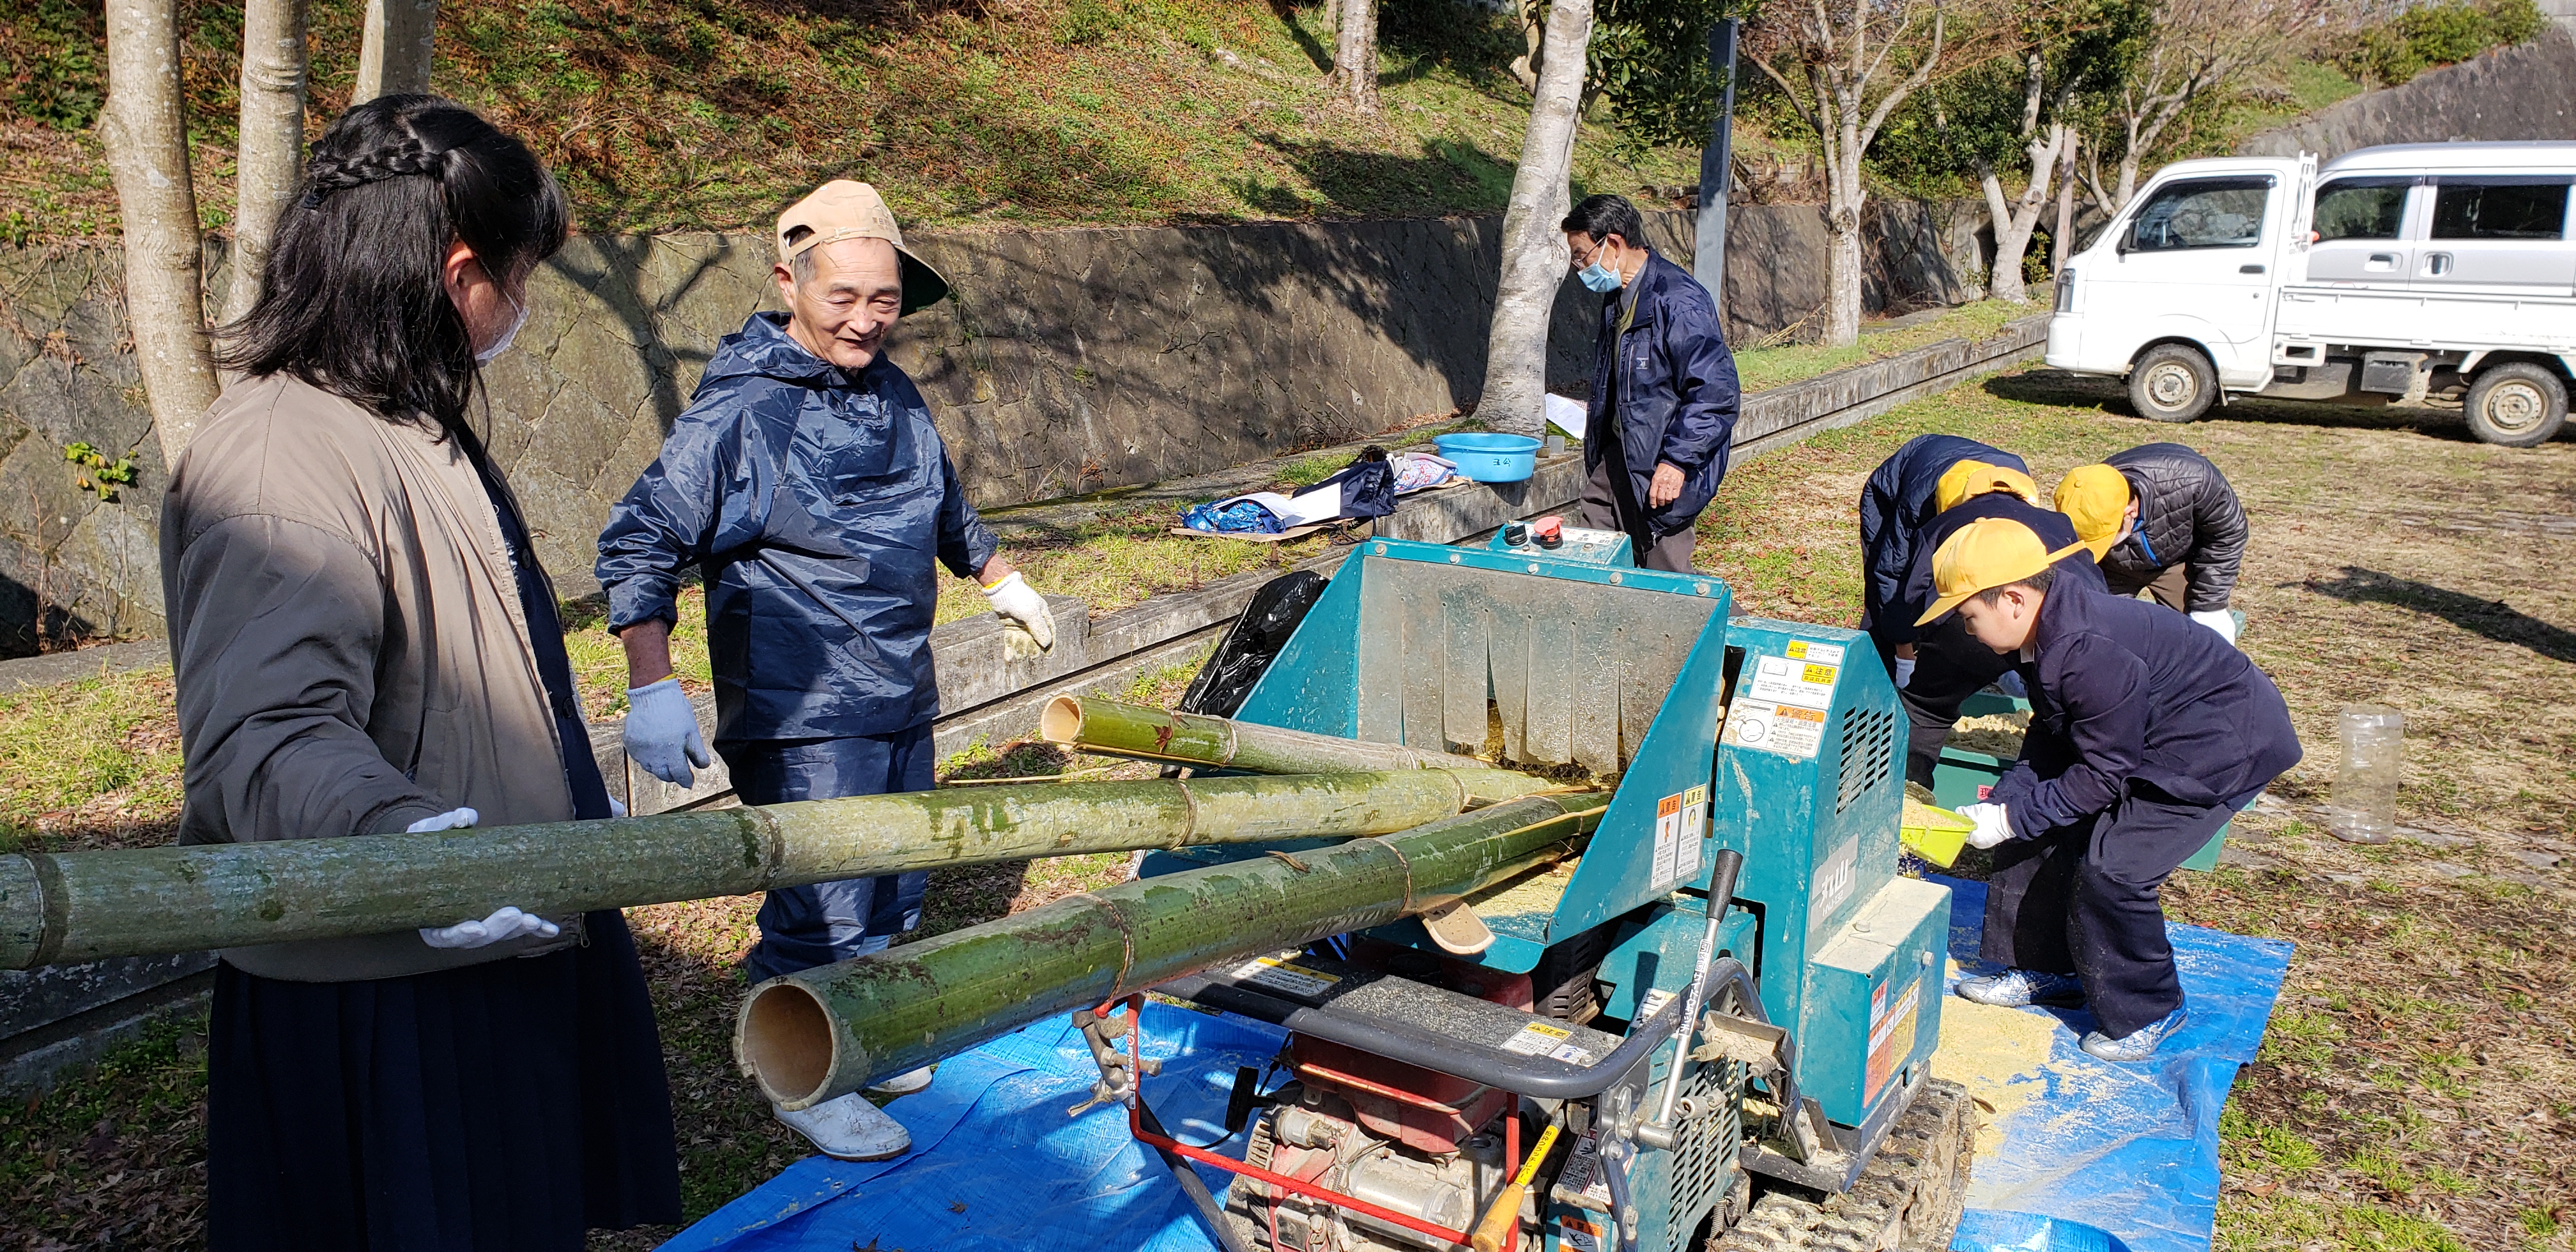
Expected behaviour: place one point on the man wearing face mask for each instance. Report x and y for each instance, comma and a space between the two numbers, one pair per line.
1663, 388
808, 483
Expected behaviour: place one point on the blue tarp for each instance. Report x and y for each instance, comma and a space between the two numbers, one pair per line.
2107, 1158
996, 1165
2130, 1151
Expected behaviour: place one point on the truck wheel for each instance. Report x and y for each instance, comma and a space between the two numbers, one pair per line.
2516, 405
2173, 382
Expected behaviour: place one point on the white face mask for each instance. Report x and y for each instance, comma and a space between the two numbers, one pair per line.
502, 344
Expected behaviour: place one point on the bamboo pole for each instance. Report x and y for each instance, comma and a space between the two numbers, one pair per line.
1111, 728
78, 906
821, 1033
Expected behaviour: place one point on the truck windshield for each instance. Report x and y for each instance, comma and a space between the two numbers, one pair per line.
2201, 213
2500, 208
2370, 208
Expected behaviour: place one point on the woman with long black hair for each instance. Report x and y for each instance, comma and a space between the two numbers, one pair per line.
365, 644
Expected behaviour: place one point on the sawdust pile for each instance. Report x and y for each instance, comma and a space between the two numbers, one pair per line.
1997, 1054
1997, 735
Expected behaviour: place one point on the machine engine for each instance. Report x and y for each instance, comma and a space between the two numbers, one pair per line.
1421, 1143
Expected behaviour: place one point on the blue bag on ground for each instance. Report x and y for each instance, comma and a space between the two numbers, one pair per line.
1237, 517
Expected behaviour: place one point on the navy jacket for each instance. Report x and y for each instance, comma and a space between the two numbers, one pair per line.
1895, 507
814, 500
1914, 594
1676, 390
2125, 691
2187, 515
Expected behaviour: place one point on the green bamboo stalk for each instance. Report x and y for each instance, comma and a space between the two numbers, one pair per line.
1113, 728
814, 1035
75, 906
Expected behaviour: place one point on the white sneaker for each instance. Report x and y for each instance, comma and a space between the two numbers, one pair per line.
903, 1084
848, 1128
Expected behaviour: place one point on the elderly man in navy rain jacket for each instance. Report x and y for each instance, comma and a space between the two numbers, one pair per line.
807, 482
2147, 733
1663, 388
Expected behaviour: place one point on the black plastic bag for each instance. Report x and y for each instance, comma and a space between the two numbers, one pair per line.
1252, 643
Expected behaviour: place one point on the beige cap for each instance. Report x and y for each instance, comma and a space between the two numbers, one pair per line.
842, 209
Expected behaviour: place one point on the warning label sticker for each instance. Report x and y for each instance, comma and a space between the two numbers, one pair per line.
1791, 730
1581, 1178
1539, 1039
1789, 680
1653, 1003
1681, 822
1578, 1235
1810, 650
1271, 973
1891, 1037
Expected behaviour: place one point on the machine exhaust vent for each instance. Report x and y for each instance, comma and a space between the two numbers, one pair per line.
1869, 750
1704, 1159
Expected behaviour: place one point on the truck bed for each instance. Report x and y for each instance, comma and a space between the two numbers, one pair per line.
2431, 321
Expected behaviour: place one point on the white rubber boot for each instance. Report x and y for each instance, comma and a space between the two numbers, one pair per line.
848, 1128
903, 1084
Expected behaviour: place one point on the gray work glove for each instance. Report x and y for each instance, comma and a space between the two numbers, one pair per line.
662, 732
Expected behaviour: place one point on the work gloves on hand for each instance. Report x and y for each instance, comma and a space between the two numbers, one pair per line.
662, 732
2219, 620
1904, 671
505, 923
1016, 602
1994, 824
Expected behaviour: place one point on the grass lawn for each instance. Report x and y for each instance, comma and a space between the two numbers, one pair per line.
2418, 1090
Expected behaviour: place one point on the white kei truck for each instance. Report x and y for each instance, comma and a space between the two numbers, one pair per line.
2412, 274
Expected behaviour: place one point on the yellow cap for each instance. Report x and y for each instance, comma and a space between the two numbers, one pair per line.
2096, 499
842, 209
1988, 552
1969, 479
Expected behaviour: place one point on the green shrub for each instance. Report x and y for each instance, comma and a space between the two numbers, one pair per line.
2435, 35
54, 73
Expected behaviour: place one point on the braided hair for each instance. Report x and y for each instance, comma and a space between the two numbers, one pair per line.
353, 299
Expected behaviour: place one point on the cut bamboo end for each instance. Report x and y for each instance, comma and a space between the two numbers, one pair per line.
788, 1044
1061, 721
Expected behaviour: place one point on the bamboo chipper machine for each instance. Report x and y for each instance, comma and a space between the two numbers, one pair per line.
1577, 898
1732, 951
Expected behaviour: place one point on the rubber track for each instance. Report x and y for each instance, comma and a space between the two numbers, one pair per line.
1907, 1199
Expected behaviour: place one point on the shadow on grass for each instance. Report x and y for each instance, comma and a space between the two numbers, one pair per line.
2493, 619
2110, 396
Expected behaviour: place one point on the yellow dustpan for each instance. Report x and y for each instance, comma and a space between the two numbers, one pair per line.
1934, 833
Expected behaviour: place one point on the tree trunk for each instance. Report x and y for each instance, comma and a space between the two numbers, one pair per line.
1844, 197
1534, 257
1525, 67
2062, 240
271, 157
146, 137
2015, 223
394, 56
1355, 55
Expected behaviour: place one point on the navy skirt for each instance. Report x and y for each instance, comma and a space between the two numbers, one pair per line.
511, 1105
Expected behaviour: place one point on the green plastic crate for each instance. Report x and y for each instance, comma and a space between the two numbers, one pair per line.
1962, 777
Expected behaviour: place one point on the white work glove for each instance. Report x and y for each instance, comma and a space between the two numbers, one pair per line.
662, 732
616, 807
453, 819
1016, 602
1994, 825
505, 923
2219, 620
1904, 671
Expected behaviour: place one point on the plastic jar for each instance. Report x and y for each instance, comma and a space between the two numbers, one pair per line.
2364, 807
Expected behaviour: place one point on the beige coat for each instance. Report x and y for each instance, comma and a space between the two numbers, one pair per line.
350, 648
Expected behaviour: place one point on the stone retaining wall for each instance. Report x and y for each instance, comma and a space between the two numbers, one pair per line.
1071, 361
2528, 92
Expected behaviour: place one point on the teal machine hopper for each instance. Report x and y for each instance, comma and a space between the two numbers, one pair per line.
1757, 768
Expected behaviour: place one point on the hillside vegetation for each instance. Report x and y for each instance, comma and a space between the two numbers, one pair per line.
711, 114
